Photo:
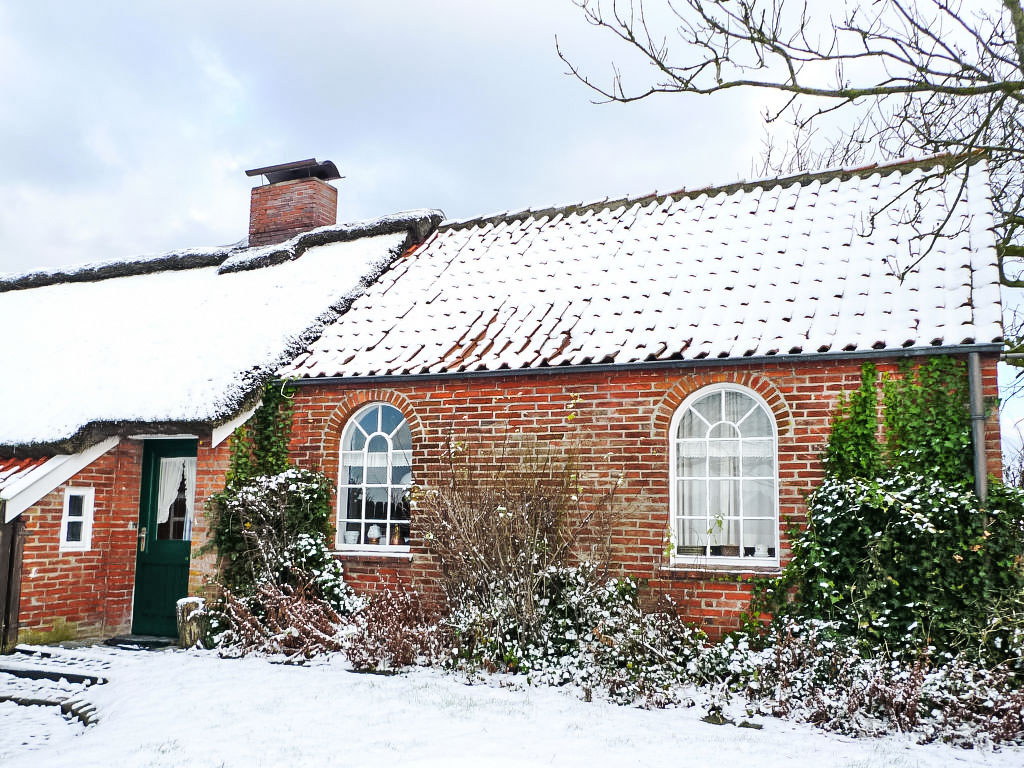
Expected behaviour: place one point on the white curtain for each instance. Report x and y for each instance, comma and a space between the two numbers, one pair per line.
190, 495
171, 471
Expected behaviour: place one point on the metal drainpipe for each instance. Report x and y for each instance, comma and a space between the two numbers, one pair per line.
977, 425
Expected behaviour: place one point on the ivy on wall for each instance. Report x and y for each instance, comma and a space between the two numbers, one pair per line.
898, 551
268, 508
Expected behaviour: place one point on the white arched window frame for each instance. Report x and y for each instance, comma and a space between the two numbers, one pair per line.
724, 479
375, 478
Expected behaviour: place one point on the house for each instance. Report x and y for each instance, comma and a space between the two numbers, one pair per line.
132, 374
700, 339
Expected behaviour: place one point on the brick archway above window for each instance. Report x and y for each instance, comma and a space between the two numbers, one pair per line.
331, 438
762, 385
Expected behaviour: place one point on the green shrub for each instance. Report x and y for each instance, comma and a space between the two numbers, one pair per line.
898, 552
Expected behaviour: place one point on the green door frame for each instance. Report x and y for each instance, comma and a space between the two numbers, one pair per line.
161, 567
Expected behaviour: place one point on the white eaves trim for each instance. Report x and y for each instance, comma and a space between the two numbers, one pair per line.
166, 436
223, 432
26, 491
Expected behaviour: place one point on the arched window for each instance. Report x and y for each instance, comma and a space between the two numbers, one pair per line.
375, 478
724, 491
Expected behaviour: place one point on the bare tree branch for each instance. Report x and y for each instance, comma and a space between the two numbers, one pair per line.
918, 77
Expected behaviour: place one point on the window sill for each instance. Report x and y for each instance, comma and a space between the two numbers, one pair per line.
704, 567
373, 554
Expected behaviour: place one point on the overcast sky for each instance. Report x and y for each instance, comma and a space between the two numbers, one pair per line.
126, 127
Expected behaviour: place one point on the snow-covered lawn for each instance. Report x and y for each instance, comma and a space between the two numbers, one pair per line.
174, 708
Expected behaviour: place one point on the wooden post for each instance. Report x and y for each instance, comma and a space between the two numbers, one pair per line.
191, 621
12, 548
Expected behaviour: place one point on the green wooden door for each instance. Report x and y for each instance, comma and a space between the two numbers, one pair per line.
164, 546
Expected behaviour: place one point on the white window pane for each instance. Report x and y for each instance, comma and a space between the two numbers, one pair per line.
390, 419
759, 538
710, 407
352, 504
758, 459
724, 536
692, 537
757, 424
724, 498
76, 506
403, 438
370, 421
692, 425
400, 505
737, 405
378, 444
352, 534
724, 458
376, 503
693, 497
758, 498
723, 429
74, 533
356, 439
691, 458
352, 475
401, 458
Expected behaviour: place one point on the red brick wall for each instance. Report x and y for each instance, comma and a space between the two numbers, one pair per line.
89, 594
620, 421
84, 594
279, 211
211, 465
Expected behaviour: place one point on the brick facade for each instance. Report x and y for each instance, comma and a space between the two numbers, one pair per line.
619, 423
279, 211
89, 594
84, 594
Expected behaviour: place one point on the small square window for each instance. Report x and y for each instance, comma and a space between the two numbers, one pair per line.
76, 522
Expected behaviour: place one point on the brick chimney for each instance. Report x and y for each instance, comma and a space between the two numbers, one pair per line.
295, 198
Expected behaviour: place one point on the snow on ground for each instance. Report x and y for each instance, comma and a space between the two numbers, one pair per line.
33, 728
175, 708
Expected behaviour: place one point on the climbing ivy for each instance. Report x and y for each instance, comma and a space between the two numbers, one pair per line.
267, 505
853, 449
897, 550
927, 420
260, 446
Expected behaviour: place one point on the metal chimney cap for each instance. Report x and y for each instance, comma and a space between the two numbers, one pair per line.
299, 169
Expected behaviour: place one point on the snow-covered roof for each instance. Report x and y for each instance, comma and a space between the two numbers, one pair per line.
183, 340
804, 265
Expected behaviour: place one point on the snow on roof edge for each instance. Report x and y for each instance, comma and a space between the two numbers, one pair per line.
947, 160
420, 223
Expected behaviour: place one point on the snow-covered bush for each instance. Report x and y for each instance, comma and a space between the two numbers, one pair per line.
277, 619
283, 522
912, 563
814, 672
590, 631
282, 591
394, 629
898, 552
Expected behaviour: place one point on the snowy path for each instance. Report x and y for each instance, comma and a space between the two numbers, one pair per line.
174, 708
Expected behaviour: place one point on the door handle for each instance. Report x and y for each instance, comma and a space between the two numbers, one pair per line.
142, 540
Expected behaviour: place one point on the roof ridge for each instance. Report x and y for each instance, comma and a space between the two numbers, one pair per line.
902, 165
230, 258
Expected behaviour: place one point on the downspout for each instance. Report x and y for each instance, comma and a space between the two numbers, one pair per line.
977, 425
